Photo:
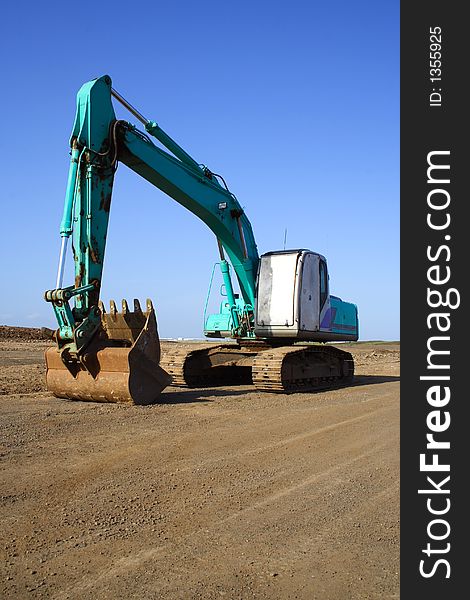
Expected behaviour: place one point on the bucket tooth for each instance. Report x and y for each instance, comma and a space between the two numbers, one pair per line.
101, 307
121, 363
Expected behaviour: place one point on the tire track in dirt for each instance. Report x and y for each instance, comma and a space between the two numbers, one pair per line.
292, 439
125, 564
105, 464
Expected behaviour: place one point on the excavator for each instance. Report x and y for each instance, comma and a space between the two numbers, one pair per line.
273, 330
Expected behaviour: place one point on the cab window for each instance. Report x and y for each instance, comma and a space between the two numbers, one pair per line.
323, 283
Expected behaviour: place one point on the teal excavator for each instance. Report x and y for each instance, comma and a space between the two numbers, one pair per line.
277, 321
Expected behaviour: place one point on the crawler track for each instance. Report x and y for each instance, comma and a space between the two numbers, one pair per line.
214, 365
302, 369
283, 369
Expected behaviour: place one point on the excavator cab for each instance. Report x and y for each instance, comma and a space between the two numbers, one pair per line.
294, 302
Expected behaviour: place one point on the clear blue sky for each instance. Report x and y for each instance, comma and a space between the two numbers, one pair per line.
295, 103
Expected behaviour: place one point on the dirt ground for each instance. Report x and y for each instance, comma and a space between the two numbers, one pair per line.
213, 493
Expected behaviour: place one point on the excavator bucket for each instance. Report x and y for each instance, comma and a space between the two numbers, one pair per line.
121, 363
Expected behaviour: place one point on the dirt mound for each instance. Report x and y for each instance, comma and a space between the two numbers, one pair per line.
20, 333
